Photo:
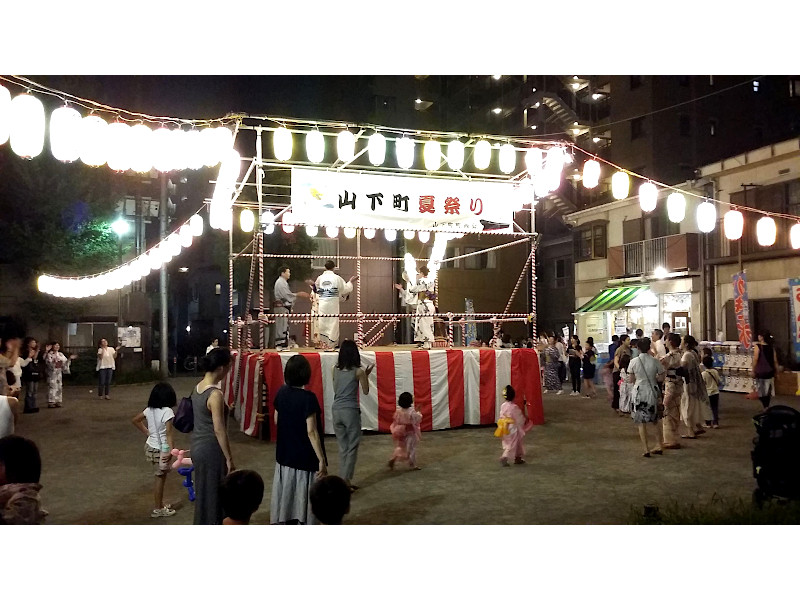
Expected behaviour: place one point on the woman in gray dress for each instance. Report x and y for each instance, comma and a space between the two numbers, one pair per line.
211, 451
347, 373
647, 371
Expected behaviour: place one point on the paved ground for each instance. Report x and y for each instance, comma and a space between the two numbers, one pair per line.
584, 466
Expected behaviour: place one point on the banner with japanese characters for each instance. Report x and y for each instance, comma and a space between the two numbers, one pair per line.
794, 302
349, 199
742, 310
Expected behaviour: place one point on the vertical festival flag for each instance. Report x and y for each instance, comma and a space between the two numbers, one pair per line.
794, 302
742, 310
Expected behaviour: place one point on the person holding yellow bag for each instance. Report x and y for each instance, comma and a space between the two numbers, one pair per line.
512, 427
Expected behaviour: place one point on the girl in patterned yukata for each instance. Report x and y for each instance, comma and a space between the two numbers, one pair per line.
57, 364
405, 432
512, 441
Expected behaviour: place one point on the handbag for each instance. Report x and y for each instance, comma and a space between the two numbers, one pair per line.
184, 416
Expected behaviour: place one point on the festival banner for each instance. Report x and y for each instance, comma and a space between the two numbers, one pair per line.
347, 199
794, 302
742, 310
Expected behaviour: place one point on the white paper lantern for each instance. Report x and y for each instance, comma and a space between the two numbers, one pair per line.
185, 235
282, 143
94, 144
390, 234
534, 160
312, 230
648, 197
247, 220
331, 231
432, 155
269, 229
620, 185
404, 148
676, 207
482, 155
193, 149
173, 244
141, 139
223, 142
553, 166
209, 147
154, 258
455, 155
349, 232
794, 236
5, 114
180, 158
196, 223
162, 149
733, 224
766, 231
591, 174
376, 149
408, 234
507, 158
424, 236
287, 227
369, 233
315, 146
706, 217
27, 126
226, 218
65, 128
119, 146
346, 146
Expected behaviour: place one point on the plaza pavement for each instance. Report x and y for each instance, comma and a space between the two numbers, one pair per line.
584, 466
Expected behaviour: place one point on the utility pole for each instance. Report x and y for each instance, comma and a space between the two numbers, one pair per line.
163, 219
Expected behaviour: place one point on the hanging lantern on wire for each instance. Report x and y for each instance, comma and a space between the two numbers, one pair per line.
482, 155
432, 155
390, 234
424, 236
369, 233
408, 234
163, 158
706, 217
282, 143
676, 207
94, 141
455, 155
185, 235
193, 149
376, 149
27, 126
591, 174
794, 236
553, 166
141, 140
620, 185
65, 128
648, 197
247, 220
209, 147
507, 158
346, 146
288, 222
312, 230
5, 114
766, 231
349, 232
733, 223
119, 147
196, 224
177, 149
315, 146
332, 232
404, 147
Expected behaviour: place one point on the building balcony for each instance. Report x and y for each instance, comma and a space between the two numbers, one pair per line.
672, 252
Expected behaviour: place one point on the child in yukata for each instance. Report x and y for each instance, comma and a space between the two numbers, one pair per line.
405, 432
625, 385
514, 426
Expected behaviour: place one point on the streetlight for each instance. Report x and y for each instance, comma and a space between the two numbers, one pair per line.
120, 227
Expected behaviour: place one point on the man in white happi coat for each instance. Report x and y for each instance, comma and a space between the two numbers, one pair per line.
282, 305
422, 290
331, 288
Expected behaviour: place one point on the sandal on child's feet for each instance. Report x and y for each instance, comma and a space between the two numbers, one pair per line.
504, 462
391, 464
659, 451
519, 461
415, 468
646, 455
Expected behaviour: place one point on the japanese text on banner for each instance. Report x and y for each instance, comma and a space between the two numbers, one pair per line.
794, 302
742, 311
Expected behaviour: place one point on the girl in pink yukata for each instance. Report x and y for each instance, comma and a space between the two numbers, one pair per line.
512, 441
405, 431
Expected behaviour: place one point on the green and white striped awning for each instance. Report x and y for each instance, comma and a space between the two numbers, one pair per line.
612, 298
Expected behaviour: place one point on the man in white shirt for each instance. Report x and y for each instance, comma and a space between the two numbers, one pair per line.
331, 288
214, 344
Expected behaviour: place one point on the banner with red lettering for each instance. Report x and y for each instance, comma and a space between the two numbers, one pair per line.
794, 302
347, 199
742, 310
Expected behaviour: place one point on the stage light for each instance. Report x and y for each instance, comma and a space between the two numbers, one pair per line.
331, 231
369, 233
648, 197
794, 236
390, 234
432, 155
5, 114
163, 160
507, 158
346, 146
482, 155
733, 224
676, 207
404, 147
376, 149
282, 143
196, 223
315, 146
185, 235
455, 155
706, 217
620, 185
27, 126
247, 220
424, 236
349, 232
312, 230
591, 174
65, 127
141, 139
766, 231
119, 146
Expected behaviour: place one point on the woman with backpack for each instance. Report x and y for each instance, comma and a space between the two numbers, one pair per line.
765, 366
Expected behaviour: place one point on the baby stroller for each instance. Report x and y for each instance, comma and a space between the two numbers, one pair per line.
776, 454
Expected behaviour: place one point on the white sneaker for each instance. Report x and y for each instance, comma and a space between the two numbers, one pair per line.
162, 512
559, 392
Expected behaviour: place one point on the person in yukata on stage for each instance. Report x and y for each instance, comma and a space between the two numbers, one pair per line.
331, 288
283, 301
314, 324
423, 322
514, 429
406, 432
